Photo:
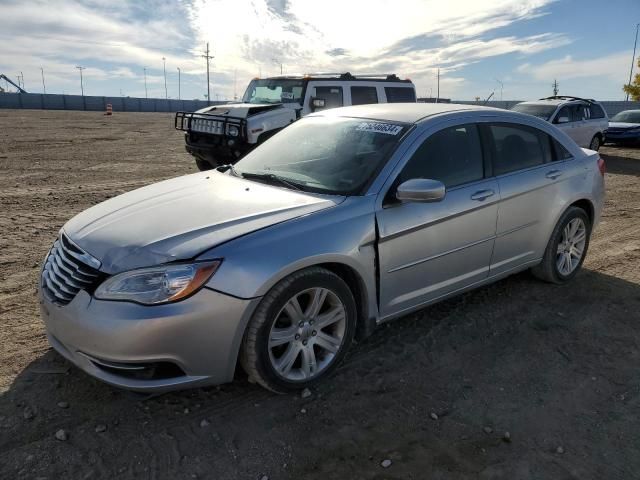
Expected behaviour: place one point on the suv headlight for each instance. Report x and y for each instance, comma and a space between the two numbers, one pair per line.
155, 285
233, 130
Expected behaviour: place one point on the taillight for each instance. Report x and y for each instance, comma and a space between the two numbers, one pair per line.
601, 166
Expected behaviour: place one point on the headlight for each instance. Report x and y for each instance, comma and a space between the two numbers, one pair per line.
233, 130
161, 284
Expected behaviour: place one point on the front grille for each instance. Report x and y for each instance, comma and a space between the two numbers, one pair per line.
67, 270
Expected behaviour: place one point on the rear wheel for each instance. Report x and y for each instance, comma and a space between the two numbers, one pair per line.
596, 142
567, 247
300, 331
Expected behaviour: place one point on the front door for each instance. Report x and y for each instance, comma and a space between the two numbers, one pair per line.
428, 250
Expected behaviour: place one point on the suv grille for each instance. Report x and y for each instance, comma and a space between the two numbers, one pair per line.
68, 270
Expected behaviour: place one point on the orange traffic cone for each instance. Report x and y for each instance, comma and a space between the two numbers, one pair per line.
109, 109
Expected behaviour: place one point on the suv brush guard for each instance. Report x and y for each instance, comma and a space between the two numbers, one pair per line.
209, 124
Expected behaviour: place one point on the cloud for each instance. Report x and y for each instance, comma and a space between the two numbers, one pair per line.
613, 66
115, 40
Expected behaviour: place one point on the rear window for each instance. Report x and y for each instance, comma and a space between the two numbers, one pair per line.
364, 95
400, 94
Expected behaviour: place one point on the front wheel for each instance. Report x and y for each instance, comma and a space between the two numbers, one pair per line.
300, 331
567, 247
203, 165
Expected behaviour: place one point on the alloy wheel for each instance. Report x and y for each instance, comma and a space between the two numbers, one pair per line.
307, 334
571, 246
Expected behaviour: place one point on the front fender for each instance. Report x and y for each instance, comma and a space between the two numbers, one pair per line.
344, 235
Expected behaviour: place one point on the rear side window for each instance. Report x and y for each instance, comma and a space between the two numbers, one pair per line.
364, 95
596, 111
332, 96
516, 147
452, 155
400, 94
560, 153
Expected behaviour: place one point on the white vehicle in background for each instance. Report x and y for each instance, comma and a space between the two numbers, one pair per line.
585, 121
223, 134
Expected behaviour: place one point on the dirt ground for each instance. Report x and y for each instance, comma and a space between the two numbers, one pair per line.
556, 367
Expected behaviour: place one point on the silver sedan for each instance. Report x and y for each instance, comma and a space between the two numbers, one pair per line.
344, 220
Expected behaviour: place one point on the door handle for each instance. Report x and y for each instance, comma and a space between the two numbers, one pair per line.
553, 174
482, 195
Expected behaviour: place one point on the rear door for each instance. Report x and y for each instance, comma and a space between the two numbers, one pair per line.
427, 250
573, 127
529, 182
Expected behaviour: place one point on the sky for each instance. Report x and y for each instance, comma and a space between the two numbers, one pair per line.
514, 49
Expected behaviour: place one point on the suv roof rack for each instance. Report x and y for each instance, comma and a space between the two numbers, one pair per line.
390, 77
568, 97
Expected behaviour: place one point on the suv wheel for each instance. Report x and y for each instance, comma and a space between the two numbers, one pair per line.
300, 331
203, 165
567, 247
596, 141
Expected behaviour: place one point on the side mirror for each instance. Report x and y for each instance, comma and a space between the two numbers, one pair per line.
421, 190
562, 120
317, 103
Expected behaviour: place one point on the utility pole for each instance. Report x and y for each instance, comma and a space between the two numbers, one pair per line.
555, 88
501, 87
22, 76
81, 83
178, 83
235, 78
146, 95
44, 87
438, 90
208, 57
164, 68
633, 59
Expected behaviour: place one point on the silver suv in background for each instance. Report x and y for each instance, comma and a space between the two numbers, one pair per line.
585, 121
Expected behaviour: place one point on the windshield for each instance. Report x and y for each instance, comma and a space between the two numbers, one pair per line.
541, 111
325, 154
274, 90
628, 116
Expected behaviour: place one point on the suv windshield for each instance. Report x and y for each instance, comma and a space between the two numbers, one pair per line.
274, 90
629, 116
541, 111
323, 154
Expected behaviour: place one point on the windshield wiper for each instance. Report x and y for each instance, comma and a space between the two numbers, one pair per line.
228, 167
271, 177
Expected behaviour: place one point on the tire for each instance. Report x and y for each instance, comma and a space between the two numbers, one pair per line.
552, 268
596, 142
203, 165
284, 351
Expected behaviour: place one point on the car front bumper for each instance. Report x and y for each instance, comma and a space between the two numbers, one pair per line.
158, 348
621, 136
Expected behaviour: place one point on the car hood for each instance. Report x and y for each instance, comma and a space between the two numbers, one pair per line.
623, 125
179, 218
240, 110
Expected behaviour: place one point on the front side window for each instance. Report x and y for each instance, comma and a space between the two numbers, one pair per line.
325, 154
596, 111
400, 94
332, 97
452, 155
364, 95
274, 90
565, 113
516, 147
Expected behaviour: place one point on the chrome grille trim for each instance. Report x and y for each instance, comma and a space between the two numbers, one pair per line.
66, 271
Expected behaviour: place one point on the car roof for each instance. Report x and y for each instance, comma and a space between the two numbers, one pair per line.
401, 112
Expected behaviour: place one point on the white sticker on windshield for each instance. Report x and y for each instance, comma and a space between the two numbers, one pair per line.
287, 95
386, 128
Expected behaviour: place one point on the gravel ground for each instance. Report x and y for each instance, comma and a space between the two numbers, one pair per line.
520, 379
